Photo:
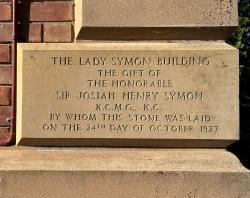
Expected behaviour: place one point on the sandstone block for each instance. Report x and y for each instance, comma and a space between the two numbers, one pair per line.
147, 19
124, 173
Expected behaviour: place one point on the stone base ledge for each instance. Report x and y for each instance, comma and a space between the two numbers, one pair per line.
121, 172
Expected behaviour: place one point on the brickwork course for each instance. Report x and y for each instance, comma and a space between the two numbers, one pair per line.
38, 22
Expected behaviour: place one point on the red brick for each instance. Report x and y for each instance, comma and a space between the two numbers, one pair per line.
4, 53
30, 32
4, 133
57, 32
5, 32
35, 32
5, 75
6, 11
51, 11
5, 95
5, 113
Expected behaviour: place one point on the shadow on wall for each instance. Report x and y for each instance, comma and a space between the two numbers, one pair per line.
242, 148
241, 40
23, 16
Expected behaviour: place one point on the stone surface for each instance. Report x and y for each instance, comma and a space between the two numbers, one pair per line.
147, 19
121, 94
125, 173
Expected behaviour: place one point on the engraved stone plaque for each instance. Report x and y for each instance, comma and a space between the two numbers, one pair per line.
127, 94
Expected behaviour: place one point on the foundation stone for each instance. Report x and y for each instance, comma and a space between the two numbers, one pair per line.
128, 94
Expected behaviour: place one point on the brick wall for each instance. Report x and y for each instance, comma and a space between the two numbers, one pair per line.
46, 21
38, 21
5, 67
